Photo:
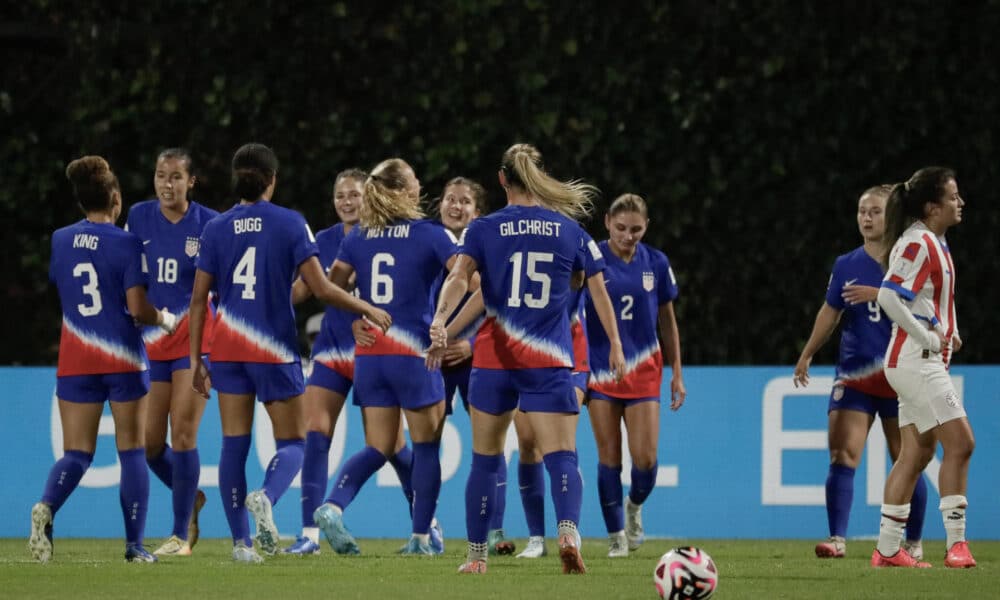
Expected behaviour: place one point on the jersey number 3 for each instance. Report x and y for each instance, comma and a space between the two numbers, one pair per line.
531, 270
89, 288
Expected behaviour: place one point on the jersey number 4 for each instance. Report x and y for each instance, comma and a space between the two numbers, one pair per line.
534, 259
245, 273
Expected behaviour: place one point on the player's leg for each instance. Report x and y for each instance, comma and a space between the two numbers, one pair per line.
159, 455
236, 414
426, 423
531, 481
128, 408
401, 461
918, 502
605, 421
847, 434
642, 421
958, 443
916, 450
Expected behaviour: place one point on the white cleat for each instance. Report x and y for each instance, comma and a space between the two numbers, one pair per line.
244, 554
267, 532
633, 524
535, 549
617, 545
40, 542
174, 546
914, 549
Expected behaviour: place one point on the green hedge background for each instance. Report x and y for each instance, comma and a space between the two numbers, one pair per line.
751, 127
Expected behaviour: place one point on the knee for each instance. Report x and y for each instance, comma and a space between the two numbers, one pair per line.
644, 461
961, 450
154, 450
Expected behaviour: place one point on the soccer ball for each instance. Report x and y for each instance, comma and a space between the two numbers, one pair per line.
686, 574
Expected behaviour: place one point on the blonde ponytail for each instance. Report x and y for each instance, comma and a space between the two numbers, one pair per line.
522, 165
385, 197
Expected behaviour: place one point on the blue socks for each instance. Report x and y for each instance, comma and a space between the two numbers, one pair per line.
315, 463
427, 484
233, 485
284, 466
839, 496
64, 476
187, 471
918, 507
610, 493
500, 507
567, 485
531, 478
163, 466
134, 493
643, 483
402, 463
353, 474
480, 495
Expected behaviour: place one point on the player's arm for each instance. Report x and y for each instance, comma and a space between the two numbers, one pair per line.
144, 312
197, 311
332, 292
671, 339
893, 305
606, 314
826, 322
471, 310
300, 291
455, 286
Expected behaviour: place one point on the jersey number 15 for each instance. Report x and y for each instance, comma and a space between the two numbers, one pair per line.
529, 268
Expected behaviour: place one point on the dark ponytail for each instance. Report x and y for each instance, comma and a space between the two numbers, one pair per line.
908, 203
254, 168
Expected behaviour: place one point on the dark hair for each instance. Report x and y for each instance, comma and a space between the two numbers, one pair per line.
180, 154
354, 173
908, 202
93, 182
478, 192
628, 203
254, 167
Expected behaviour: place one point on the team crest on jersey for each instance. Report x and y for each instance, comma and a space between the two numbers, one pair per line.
648, 281
191, 247
838, 393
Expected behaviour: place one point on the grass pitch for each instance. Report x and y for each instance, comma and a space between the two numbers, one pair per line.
86, 568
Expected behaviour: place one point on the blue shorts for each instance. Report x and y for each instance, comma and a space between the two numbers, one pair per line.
116, 387
845, 398
456, 378
496, 391
396, 381
580, 379
595, 395
163, 370
268, 381
326, 378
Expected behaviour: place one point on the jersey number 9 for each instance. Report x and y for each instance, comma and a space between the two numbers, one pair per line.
534, 259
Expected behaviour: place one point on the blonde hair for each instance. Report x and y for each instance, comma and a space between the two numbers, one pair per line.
522, 166
385, 198
628, 203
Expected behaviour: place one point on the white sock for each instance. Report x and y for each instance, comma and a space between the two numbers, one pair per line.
311, 533
890, 531
423, 538
953, 513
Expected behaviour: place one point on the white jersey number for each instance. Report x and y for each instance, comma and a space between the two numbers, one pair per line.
627, 302
89, 288
382, 282
245, 273
874, 312
531, 300
166, 270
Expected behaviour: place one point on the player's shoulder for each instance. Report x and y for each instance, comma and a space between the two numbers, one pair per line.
203, 212
333, 232
847, 258
141, 210
654, 256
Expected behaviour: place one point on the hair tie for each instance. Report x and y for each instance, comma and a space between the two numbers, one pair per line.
906, 186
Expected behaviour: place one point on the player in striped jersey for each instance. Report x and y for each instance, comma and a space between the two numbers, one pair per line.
918, 294
170, 226
642, 288
860, 390
251, 255
100, 274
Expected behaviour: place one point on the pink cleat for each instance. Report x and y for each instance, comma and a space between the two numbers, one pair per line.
899, 559
959, 557
834, 547
474, 567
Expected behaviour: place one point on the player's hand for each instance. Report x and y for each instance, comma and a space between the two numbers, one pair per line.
678, 393
616, 361
943, 341
434, 358
457, 352
801, 376
439, 335
379, 318
363, 333
200, 381
956, 343
167, 321
856, 294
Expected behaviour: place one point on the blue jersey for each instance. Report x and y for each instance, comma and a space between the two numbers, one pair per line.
92, 266
253, 252
526, 256
396, 267
334, 346
866, 329
171, 249
593, 264
637, 289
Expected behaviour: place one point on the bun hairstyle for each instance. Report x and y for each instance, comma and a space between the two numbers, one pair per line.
628, 203
522, 167
385, 197
93, 182
908, 202
254, 168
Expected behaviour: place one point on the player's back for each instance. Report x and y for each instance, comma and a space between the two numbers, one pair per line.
92, 266
253, 252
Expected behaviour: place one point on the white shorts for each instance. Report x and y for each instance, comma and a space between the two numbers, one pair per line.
927, 397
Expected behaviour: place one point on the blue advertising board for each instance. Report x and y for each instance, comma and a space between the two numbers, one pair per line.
745, 457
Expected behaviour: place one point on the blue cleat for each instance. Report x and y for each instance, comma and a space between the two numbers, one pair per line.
302, 547
331, 523
437, 537
135, 553
415, 546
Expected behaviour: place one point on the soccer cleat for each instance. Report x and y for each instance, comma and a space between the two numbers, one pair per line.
959, 557
633, 524
569, 554
498, 544
193, 531
834, 547
535, 549
174, 546
246, 554
914, 549
899, 559
415, 546
302, 547
40, 542
474, 567
135, 553
331, 523
437, 537
267, 532
617, 545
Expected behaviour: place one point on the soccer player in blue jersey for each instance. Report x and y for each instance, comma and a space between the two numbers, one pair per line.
526, 254
860, 390
170, 226
396, 256
100, 274
251, 255
642, 288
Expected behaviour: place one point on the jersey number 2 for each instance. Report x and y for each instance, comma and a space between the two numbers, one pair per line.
534, 259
